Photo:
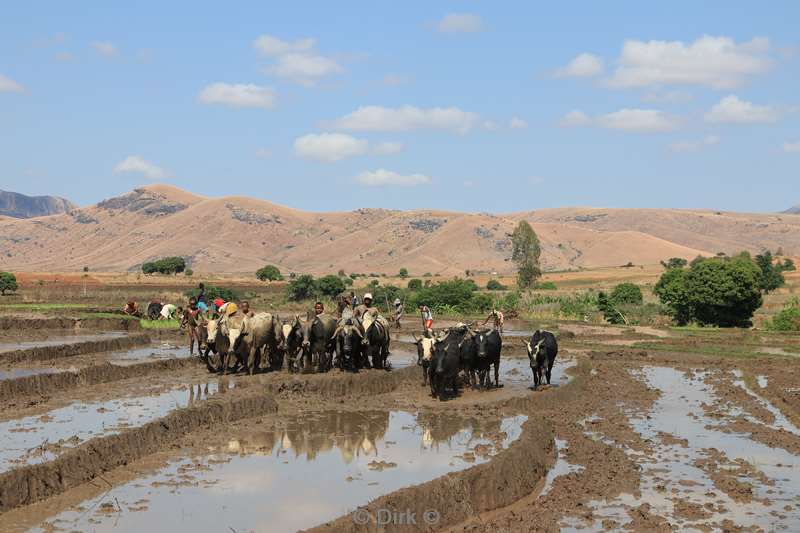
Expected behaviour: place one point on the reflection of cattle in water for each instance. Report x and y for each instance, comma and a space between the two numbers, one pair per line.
542, 351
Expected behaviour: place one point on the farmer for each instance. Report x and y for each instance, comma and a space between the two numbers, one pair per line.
246, 309
398, 312
168, 312
497, 316
364, 307
131, 308
190, 319
319, 308
427, 317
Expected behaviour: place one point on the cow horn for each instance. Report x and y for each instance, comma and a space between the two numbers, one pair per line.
416, 340
336, 333
358, 332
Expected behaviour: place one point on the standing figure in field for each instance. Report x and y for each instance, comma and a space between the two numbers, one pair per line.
190, 320
427, 317
497, 318
398, 312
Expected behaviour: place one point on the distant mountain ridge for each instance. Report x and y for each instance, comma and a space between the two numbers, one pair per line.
16, 205
793, 210
242, 234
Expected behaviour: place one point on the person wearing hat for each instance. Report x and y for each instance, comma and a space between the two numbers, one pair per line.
427, 317
398, 312
365, 306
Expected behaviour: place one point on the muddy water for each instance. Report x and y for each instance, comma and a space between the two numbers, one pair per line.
14, 373
156, 352
781, 422
677, 474
40, 438
8, 346
292, 474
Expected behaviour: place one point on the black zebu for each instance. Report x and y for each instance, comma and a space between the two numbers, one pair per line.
318, 342
347, 338
446, 362
542, 351
376, 341
488, 345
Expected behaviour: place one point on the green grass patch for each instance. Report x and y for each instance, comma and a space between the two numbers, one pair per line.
159, 324
100, 314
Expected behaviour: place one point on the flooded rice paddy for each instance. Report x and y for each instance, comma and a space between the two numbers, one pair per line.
7, 345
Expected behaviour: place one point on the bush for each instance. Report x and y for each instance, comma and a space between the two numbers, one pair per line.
269, 273
545, 286
494, 285
455, 295
414, 284
611, 313
674, 262
626, 293
212, 293
787, 320
403, 273
384, 296
330, 286
720, 291
188, 272
788, 265
8, 282
167, 265
301, 288
771, 276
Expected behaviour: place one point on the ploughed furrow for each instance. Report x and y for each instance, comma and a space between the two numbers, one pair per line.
44, 353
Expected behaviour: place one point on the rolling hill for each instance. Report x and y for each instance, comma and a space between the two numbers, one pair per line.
240, 234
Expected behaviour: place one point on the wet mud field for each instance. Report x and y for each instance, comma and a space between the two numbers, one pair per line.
640, 430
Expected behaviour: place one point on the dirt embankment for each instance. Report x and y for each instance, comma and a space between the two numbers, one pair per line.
13, 324
338, 386
44, 353
12, 390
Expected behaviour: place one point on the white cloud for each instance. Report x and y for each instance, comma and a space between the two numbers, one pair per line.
388, 148
263, 153
238, 95
270, 46
716, 62
383, 177
791, 147
732, 110
407, 118
582, 66
7, 85
296, 60
693, 146
105, 49
138, 165
638, 120
517, 123
460, 23
666, 97
329, 147
574, 118
489, 125
303, 68
631, 120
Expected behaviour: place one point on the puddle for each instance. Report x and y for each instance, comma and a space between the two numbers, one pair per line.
158, 352
561, 468
61, 339
294, 474
15, 373
781, 422
36, 439
681, 435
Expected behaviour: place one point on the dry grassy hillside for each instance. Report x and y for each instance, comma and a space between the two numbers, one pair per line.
239, 234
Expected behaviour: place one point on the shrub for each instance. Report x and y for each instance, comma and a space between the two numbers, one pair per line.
414, 284
494, 285
720, 291
403, 273
786, 320
427, 275
8, 282
545, 286
788, 265
213, 292
301, 288
611, 313
167, 265
626, 293
269, 273
674, 262
771, 276
455, 294
330, 286
188, 272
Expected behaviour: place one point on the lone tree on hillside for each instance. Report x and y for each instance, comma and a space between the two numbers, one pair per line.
403, 273
525, 253
8, 282
167, 265
269, 273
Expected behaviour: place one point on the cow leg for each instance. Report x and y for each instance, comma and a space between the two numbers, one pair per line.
497, 374
253, 360
549, 371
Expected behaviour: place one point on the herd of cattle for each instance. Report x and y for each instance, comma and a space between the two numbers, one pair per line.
263, 342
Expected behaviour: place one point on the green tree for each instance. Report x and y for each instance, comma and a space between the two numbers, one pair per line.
403, 273
188, 272
269, 273
494, 285
721, 291
166, 265
626, 294
788, 265
414, 284
330, 286
8, 282
788, 319
771, 276
525, 253
610, 310
148, 268
301, 288
674, 262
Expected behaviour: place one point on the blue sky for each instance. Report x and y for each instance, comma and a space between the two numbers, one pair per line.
471, 106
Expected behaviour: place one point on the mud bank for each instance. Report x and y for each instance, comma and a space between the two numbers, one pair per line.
13, 324
45, 353
329, 385
33, 483
40, 384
